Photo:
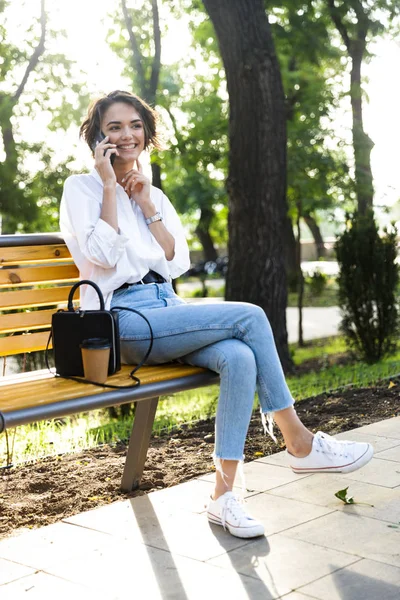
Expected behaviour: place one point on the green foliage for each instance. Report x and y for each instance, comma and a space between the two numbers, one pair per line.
368, 279
342, 495
33, 81
311, 69
317, 282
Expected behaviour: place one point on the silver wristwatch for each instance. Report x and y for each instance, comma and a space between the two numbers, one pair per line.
154, 218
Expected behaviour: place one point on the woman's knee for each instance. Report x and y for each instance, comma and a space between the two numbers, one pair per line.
237, 356
257, 317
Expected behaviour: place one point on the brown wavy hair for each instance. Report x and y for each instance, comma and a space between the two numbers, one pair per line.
92, 123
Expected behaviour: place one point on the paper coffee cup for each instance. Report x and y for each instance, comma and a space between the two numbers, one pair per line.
95, 358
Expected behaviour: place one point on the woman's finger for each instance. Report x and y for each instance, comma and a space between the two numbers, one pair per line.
129, 174
139, 166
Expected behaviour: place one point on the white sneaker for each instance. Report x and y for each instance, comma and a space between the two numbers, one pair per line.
229, 512
329, 455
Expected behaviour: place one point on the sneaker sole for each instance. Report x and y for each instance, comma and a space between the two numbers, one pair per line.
354, 466
240, 532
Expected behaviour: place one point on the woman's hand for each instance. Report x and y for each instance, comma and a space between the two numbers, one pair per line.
102, 162
137, 186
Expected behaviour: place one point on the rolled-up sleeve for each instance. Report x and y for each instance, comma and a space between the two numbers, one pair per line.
181, 261
97, 240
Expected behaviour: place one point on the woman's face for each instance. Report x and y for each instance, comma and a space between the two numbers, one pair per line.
124, 126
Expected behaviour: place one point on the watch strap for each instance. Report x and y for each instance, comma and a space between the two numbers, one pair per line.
154, 218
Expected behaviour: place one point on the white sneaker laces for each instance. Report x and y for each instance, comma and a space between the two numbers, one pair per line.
329, 445
232, 505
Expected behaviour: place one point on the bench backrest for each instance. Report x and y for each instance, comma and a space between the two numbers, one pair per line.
36, 274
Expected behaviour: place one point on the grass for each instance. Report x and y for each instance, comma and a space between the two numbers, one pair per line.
73, 434
327, 296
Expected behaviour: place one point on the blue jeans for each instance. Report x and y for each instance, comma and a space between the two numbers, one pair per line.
233, 339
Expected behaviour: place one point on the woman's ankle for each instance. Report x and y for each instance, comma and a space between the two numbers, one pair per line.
300, 446
220, 492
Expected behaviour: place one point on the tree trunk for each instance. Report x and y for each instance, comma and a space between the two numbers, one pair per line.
257, 167
290, 248
156, 175
300, 295
362, 143
316, 233
203, 233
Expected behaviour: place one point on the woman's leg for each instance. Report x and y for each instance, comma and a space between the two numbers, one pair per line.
184, 329
235, 363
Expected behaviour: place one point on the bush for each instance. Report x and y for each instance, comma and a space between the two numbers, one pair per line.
317, 282
367, 283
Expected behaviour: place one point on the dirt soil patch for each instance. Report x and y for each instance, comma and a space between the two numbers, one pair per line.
54, 488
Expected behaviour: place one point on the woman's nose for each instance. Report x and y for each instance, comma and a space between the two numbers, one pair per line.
126, 132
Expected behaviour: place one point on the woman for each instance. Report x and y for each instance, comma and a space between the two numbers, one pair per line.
125, 235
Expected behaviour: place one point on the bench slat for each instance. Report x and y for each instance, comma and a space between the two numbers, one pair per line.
17, 344
34, 275
31, 298
47, 389
38, 319
19, 255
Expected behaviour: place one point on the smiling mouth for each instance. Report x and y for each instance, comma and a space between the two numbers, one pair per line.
128, 147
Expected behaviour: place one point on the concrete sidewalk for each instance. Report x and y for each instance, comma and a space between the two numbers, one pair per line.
161, 546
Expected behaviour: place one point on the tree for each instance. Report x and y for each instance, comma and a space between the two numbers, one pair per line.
257, 160
317, 175
144, 59
21, 68
357, 22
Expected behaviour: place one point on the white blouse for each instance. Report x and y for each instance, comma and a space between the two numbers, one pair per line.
111, 258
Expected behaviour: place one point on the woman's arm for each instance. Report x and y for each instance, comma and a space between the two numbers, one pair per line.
102, 164
137, 186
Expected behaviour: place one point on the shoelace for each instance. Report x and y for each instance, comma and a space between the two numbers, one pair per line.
327, 442
233, 506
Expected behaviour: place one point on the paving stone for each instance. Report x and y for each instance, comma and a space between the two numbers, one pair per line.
377, 472
387, 428
165, 528
360, 536
390, 454
58, 542
299, 596
190, 496
41, 586
320, 490
278, 514
10, 571
261, 477
283, 566
379, 442
127, 569
364, 580
280, 459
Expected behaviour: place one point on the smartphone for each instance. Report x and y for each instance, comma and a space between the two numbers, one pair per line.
99, 138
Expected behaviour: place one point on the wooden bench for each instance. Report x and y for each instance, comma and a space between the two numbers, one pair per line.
36, 274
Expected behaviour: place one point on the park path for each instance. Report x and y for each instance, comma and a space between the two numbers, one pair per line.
160, 546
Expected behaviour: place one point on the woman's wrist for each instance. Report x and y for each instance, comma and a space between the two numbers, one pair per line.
149, 210
110, 184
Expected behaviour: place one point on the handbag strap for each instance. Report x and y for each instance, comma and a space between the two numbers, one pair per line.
131, 374
77, 285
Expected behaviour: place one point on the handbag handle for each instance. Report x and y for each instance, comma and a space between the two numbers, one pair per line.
75, 287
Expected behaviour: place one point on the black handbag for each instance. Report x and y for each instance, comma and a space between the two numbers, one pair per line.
70, 327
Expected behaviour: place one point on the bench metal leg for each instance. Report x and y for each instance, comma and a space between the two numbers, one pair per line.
138, 444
